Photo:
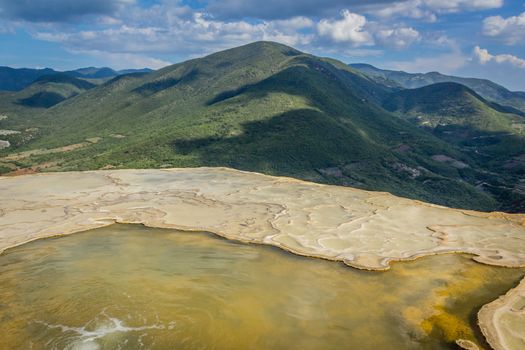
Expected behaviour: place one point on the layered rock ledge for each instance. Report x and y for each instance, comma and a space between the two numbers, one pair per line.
503, 320
363, 229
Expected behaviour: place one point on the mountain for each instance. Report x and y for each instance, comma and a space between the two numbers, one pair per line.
13, 79
103, 72
16, 79
486, 88
92, 73
134, 71
48, 90
18, 108
455, 106
261, 107
492, 135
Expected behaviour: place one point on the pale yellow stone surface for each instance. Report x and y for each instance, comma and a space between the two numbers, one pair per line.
503, 320
363, 229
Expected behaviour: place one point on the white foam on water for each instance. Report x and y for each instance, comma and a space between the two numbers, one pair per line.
85, 338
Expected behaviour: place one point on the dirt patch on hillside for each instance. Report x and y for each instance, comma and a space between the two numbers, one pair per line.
36, 152
31, 170
9, 132
441, 158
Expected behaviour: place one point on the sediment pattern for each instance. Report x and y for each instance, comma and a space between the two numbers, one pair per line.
366, 230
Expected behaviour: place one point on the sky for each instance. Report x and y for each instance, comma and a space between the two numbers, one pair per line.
477, 38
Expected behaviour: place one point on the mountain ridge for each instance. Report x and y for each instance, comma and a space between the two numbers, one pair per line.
484, 87
261, 107
16, 79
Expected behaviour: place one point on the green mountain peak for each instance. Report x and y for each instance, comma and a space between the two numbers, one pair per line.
269, 108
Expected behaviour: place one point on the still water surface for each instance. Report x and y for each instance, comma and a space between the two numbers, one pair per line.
131, 287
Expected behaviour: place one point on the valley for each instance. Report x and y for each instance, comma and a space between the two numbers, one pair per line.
186, 192
269, 108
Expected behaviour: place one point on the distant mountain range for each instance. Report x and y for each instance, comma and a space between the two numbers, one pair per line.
16, 79
45, 92
485, 88
270, 108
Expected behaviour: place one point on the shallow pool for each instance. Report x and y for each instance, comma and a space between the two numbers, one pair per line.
131, 287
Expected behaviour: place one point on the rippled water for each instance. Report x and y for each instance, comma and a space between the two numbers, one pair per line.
130, 287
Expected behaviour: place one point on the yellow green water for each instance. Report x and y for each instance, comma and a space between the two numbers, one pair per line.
130, 287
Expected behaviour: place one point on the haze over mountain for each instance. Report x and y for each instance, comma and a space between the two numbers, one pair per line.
486, 88
270, 108
16, 79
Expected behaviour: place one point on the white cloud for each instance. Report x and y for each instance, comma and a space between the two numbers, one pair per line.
349, 29
447, 63
6, 28
410, 9
357, 31
429, 9
59, 11
462, 5
511, 29
443, 40
172, 29
127, 60
176, 30
286, 31
484, 57
359, 53
108, 20
293, 23
398, 38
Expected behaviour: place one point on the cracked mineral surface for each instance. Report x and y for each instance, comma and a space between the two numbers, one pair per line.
363, 229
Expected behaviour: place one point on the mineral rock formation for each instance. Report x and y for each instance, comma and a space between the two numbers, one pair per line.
363, 229
503, 320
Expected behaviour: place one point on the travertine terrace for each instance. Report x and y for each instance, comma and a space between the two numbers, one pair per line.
503, 320
363, 229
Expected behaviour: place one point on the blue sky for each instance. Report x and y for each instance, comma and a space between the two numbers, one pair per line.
480, 38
